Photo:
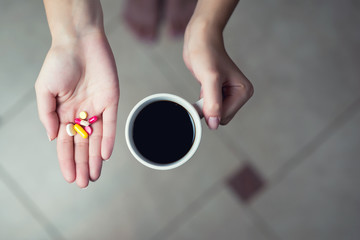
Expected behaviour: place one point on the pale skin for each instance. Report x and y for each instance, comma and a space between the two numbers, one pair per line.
79, 74
224, 87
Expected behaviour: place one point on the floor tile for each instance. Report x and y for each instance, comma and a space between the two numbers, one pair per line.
15, 220
221, 217
319, 198
24, 41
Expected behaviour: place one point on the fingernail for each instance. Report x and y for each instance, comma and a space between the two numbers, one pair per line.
48, 137
213, 122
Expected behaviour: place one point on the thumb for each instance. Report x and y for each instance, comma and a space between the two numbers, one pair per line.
212, 94
46, 103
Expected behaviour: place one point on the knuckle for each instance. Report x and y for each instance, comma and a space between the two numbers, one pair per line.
247, 89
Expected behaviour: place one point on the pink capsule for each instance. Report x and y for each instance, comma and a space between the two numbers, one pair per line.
93, 119
88, 129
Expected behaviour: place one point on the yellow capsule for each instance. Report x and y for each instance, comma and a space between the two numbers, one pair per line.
81, 131
83, 115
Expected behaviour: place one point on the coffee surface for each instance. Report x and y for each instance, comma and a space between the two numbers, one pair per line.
163, 132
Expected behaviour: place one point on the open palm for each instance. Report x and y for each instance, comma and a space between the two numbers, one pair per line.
80, 76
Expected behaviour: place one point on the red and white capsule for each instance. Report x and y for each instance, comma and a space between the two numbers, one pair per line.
82, 122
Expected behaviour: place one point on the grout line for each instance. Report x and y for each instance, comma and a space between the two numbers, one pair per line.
237, 150
257, 220
17, 107
189, 211
262, 224
168, 71
29, 204
303, 154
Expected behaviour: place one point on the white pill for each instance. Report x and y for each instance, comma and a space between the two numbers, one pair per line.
84, 123
70, 130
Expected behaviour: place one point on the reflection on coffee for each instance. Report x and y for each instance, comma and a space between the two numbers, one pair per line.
163, 132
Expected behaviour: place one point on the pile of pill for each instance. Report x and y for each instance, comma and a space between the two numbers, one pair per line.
81, 126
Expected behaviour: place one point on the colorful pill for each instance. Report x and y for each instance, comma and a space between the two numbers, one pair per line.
70, 130
83, 115
80, 131
82, 122
88, 129
93, 119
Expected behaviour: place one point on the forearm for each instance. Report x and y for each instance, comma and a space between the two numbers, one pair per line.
213, 14
70, 19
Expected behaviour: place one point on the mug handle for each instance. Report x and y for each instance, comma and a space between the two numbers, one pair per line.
199, 107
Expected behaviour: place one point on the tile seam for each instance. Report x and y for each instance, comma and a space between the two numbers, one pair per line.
178, 220
316, 142
15, 188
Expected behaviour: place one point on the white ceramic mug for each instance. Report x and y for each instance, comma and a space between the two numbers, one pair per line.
195, 112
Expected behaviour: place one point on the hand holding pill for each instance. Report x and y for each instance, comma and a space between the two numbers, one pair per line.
63, 92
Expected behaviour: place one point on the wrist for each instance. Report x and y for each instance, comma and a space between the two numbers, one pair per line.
212, 15
205, 25
70, 20
72, 36
204, 31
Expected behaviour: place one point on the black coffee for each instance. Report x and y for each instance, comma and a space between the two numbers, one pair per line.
163, 132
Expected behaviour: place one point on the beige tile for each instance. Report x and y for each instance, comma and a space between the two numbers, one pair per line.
221, 217
319, 198
24, 41
15, 220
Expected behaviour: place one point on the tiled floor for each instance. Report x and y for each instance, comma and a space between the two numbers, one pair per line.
294, 146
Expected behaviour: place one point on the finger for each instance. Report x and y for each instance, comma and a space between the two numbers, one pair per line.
65, 150
109, 131
95, 159
82, 160
46, 103
212, 93
235, 96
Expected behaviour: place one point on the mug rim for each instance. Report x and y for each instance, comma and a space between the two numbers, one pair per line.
163, 97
